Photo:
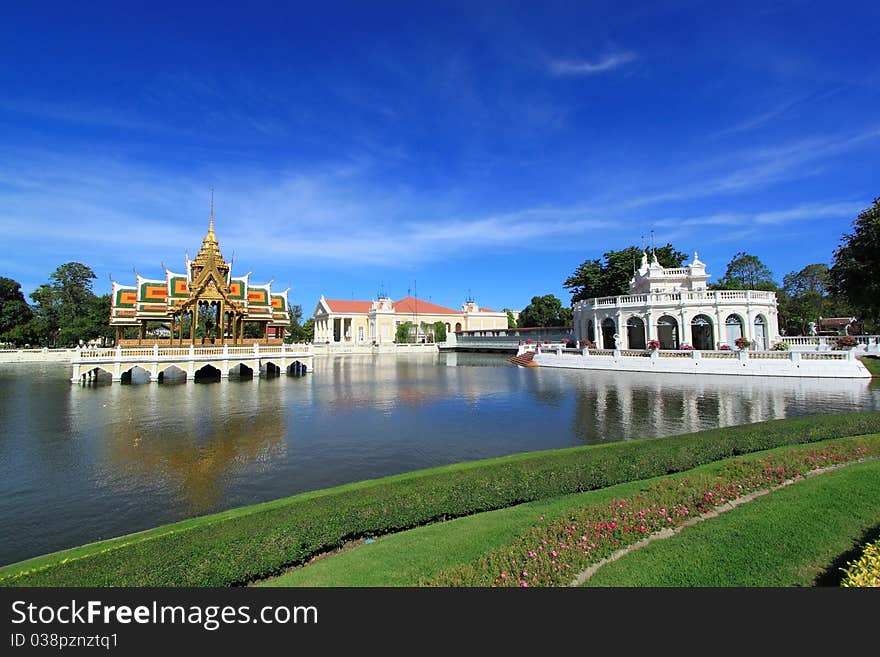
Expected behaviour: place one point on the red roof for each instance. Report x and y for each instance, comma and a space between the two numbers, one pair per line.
487, 310
410, 305
348, 306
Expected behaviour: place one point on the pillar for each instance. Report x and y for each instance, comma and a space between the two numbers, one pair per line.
142, 332
684, 329
194, 319
221, 323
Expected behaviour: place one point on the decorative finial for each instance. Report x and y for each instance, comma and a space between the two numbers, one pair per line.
211, 220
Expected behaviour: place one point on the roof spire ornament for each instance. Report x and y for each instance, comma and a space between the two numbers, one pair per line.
211, 220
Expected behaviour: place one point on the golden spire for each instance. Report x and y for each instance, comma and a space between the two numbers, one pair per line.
210, 234
210, 251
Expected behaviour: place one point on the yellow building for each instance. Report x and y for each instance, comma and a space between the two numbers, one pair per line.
367, 322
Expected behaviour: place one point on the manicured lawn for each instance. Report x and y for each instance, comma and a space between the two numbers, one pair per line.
873, 365
455, 550
786, 538
403, 559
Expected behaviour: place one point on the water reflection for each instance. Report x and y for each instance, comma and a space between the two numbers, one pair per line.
160, 434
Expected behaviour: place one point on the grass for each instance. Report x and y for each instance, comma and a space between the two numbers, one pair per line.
429, 554
873, 365
787, 538
259, 541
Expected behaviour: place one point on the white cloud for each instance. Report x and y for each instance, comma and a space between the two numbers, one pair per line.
563, 67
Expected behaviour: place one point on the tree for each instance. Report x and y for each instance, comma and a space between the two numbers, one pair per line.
511, 320
298, 332
746, 272
544, 311
611, 276
854, 273
14, 310
806, 295
403, 334
439, 332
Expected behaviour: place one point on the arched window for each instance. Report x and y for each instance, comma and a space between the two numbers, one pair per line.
635, 333
703, 335
760, 333
734, 326
667, 332
609, 330
458, 327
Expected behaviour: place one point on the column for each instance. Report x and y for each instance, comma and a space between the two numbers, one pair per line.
720, 326
142, 332
684, 329
624, 338
221, 323
193, 320
649, 325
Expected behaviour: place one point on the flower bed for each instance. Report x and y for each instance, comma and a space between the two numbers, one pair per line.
865, 571
556, 550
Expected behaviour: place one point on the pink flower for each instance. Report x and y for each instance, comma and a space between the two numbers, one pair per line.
503, 575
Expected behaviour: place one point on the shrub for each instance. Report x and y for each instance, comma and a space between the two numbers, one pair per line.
237, 546
686, 347
724, 347
653, 344
780, 346
742, 343
846, 342
865, 571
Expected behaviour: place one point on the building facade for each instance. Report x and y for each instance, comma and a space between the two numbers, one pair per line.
369, 322
207, 290
675, 307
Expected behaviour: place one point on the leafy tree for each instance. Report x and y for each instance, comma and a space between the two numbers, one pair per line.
297, 331
854, 273
403, 334
544, 311
14, 310
746, 272
439, 332
611, 275
806, 295
47, 312
511, 320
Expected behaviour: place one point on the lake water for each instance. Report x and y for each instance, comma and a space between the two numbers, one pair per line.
81, 463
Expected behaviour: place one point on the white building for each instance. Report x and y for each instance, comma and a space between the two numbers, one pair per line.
366, 322
674, 307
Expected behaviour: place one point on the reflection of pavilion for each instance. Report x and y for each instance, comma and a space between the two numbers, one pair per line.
674, 307
196, 452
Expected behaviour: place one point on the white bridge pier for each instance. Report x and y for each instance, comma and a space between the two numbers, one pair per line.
154, 360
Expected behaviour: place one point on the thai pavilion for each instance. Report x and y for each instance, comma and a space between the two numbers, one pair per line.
674, 306
207, 290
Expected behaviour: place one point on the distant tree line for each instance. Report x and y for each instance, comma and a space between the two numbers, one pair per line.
62, 311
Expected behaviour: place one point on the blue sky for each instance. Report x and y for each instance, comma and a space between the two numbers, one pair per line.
489, 147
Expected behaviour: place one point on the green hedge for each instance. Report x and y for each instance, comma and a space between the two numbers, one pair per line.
240, 545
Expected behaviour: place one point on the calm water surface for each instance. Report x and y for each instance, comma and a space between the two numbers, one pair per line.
81, 463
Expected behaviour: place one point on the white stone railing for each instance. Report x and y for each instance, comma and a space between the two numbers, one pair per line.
155, 352
677, 297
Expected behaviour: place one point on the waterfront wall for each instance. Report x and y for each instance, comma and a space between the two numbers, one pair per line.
843, 365
36, 355
334, 349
